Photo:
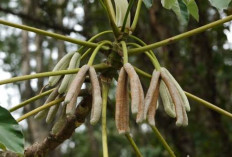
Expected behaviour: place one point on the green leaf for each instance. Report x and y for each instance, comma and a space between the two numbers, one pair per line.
148, 3
181, 11
184, 10
11, 136
193, 9
168, 3
220, 4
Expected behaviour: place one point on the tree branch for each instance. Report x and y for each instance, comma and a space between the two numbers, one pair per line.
36, 21
50, 34
180, 36
54, 140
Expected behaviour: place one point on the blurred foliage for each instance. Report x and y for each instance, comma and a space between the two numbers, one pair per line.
201, 64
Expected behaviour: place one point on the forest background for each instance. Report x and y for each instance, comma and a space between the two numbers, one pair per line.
202, 64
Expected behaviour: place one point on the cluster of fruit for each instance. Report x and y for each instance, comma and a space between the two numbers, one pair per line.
173, 97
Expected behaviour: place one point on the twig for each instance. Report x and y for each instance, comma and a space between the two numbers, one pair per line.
33, 112
46, 74
136, 18
208, 104
36, 21
180, 36
111, 14
50, 34
162, 140
96, 51
105, 90
30, 100
54, 140
133, 144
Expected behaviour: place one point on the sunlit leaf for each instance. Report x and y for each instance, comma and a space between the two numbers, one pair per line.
220, 4
168, 3
11, 136
148, 3
193, 9
181, 11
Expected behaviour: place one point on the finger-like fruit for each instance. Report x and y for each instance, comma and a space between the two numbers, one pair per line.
134, 87
68, 78
50, 98
59, 125
169, 107
52, 112
61, 65
122, 103
141, 107
180, 90
152, 107
96, 97
76, 84
175, 97
151, 90
71, 106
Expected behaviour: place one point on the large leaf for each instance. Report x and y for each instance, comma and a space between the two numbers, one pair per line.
168, 4
220, 4
11, 136
181, 11
193, 9
148, 3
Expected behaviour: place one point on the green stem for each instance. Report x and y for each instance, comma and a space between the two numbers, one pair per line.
180, 36
133, 144
47, 74
154, 60
111, 9
103, 5
162, 140
105, 90
96, 51
50, 34
81, 50
43, 107
133, 26
141, 72
125, 53
142, 43
111, 13
86, 53
90, 49
127, 14
30, 100
201, 101
208, 104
